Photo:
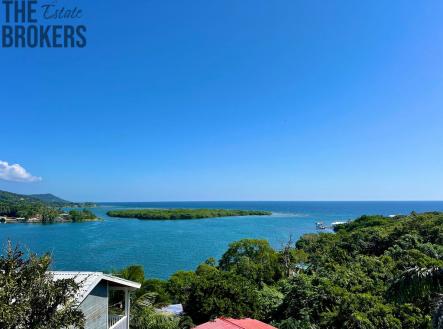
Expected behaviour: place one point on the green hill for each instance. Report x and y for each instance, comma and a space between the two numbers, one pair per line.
50, 199
47, 199
25, 206
45, 207
13, 197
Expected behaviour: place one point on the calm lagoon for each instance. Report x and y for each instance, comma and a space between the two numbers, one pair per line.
164, 247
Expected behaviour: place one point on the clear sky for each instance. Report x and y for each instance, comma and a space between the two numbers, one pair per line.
231, 100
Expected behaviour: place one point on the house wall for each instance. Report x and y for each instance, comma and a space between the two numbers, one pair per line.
95, 307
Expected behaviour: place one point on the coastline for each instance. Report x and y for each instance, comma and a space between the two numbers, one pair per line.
185, 243
9, 220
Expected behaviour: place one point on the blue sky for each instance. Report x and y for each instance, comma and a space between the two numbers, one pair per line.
232, 100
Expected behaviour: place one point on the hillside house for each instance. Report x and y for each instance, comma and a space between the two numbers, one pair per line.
103, 298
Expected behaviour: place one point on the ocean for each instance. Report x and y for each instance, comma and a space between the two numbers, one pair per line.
164, 247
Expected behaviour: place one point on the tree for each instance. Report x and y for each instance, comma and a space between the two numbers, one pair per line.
186, 322
292, 259
218, 293
269, 299
132, 273
253, 259
179, 286
419, 283
158, 289
295, 324
30, 298
81, 215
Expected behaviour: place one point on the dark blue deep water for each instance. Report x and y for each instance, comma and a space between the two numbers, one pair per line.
164, 247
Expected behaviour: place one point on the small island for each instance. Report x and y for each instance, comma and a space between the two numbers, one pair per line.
177, 214
84, 215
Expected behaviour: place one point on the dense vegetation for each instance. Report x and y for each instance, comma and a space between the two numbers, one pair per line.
182, 213
47, 199
26, 209
45, 207
29, 298
81, 215
25, 206
373, 273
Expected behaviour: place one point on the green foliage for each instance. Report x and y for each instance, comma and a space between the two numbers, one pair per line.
24, 206
132, 273
179, 286
158, 289
373, 273
295, 324
29, 298
149, 318
353, 275
81, 215
47, 199
205, 268
26, 209
45, 207
269, 300
145, 316
252, 259
154, 294
186, 322
220, 293
170, 214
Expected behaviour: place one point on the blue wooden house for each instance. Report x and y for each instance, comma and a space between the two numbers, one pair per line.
103, 298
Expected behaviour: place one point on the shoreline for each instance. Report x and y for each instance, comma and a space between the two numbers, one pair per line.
19, 220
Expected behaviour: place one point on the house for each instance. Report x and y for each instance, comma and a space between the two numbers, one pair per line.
227, 323
103, 298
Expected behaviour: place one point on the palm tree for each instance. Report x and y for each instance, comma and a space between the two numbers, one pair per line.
133, 273
419, 282
145, 316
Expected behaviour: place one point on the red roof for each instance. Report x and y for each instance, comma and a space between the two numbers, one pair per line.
223, 323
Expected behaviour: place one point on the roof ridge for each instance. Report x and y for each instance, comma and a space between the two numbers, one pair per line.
89, 280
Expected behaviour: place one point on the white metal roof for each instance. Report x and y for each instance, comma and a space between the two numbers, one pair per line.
176, 309
88, 281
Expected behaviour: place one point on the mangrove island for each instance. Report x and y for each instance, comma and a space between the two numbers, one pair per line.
174, 214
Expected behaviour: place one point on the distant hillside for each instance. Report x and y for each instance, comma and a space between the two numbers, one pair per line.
47, 199
41, 208
50, 199
13, 197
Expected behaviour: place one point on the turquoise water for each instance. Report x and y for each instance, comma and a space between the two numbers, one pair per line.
164, 247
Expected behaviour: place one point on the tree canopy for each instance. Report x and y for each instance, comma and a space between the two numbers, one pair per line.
253, 259
174, 214
81, 215
373, 273
30, 298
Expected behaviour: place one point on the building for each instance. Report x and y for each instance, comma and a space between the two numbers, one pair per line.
227, 323
103, 298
